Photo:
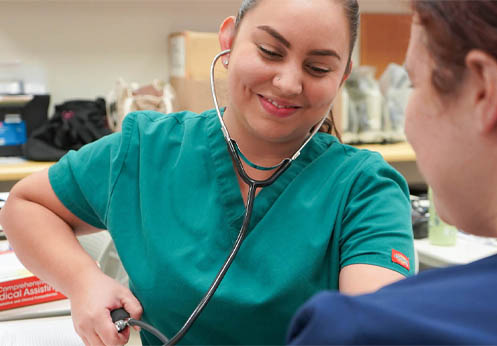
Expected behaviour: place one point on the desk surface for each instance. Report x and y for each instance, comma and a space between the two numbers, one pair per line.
397, 152
18, 169
52, 331
468, 249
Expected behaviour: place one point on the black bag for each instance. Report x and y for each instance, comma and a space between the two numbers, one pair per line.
74, 124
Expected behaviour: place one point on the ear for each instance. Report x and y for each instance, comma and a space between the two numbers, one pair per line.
483, 69
227, 34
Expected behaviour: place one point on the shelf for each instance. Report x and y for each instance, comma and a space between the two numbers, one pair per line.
13, 100
19, 170
397, 152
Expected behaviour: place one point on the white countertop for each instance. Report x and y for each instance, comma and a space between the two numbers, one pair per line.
468, 249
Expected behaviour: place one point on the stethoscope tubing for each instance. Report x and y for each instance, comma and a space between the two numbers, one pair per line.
122, 320
210, 292
253, 186
220, 117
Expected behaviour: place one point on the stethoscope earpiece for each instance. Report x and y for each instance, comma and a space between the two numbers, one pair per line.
226, 133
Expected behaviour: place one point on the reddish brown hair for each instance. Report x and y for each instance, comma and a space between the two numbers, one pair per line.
454, 28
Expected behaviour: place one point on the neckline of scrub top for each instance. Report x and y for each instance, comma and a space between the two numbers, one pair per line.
226, 178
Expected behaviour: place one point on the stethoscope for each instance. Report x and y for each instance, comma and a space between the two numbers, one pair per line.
122, 319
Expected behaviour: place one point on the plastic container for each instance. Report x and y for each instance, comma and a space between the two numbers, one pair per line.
439, 232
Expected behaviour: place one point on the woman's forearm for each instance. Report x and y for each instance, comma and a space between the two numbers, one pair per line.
46, 244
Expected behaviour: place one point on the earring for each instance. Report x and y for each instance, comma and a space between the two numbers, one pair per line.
225, 62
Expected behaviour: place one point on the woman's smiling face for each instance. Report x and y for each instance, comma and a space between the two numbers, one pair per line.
287, 62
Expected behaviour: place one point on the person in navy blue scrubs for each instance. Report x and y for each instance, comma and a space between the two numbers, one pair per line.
451, 122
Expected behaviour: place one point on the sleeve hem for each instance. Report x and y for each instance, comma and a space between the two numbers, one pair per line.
63, 193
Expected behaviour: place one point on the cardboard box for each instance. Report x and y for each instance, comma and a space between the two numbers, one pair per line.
195, 95
191, 54
190, 58
18, 287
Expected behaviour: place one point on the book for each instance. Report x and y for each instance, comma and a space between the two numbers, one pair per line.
18, 286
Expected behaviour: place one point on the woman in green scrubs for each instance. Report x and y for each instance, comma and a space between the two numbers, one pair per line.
166, 189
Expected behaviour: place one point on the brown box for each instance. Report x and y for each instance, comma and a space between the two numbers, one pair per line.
195, 95
191, 54
190, 58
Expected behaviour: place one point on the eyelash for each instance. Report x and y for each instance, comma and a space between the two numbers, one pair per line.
270, 53
318, 70
312, 69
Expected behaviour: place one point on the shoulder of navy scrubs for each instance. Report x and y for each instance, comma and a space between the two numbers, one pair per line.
166, 189
451, 306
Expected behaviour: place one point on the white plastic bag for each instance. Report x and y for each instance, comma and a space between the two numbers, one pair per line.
365, 106
126, 98
395, 87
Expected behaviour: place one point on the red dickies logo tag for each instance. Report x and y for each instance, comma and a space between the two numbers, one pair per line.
400, 258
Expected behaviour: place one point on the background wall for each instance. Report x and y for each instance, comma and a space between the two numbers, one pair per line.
81, 47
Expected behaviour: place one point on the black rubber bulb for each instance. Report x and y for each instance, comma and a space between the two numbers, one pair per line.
119, 315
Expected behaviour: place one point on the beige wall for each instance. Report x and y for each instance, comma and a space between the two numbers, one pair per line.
385, 6
80, 47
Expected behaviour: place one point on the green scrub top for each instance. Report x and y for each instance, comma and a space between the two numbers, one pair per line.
166, 189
